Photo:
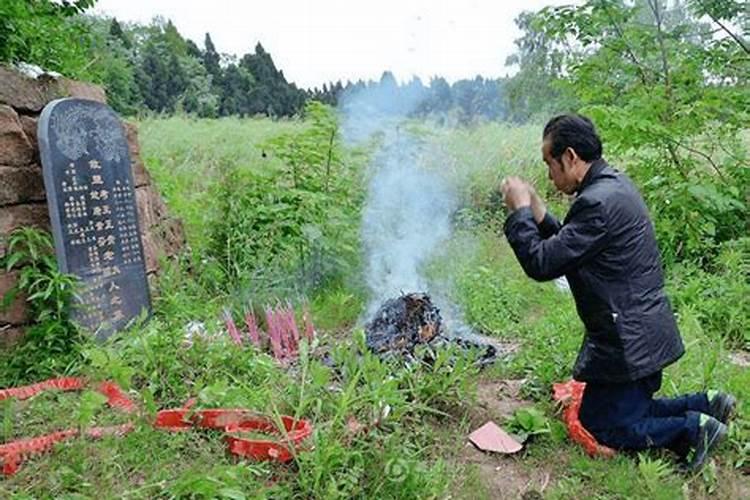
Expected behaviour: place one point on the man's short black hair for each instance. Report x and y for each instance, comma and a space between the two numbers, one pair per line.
576, 132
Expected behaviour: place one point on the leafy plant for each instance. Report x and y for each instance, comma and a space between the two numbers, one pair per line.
708, 294
52, 344
48, 291
664, 89
106, 363
90, 402
527, 422
42, 32
298, 218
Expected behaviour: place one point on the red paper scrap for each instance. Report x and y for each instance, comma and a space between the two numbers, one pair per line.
490, 437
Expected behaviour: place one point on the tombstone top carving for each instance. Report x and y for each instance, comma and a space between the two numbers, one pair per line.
82, 125
91, 200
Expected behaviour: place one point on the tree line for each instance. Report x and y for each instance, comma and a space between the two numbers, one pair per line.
566, 58
153, 68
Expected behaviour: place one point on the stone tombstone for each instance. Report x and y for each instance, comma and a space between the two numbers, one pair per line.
92, 208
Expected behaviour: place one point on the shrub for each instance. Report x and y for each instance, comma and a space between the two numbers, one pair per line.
52, 344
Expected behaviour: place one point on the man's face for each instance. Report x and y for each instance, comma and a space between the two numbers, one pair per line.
560, 171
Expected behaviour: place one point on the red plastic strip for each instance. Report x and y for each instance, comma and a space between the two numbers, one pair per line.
295, 431
237, 421
27, 391
570, 395
116, 398
13, 453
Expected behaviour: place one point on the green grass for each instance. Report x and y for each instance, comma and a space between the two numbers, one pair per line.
497, 297
186, 157
418, 416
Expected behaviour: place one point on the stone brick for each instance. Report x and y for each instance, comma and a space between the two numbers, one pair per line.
151, 207
32, 94
172, 235
15, 313
21, 185
32, 214
151, 253
21, 91
82, 90
15, 148
143, 204
141, 177
131, 134
164, 240
29, 124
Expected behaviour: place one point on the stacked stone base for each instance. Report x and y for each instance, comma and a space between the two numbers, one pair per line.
22, 196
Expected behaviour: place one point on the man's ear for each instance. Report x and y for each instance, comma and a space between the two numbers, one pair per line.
570, 155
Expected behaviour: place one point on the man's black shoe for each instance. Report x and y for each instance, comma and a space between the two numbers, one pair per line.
721, 406
710, 434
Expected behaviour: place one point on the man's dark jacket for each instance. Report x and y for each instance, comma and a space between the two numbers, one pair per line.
607, 251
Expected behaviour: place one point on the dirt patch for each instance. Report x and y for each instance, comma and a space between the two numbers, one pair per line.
497, 400
505, 476
501, 476
740, 358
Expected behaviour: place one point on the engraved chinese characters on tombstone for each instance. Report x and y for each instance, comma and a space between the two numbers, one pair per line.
92, 208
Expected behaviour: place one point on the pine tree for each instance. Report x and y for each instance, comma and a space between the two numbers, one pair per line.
152, 79
115, 31
211, 58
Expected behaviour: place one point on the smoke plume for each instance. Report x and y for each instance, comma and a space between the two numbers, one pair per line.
409, 206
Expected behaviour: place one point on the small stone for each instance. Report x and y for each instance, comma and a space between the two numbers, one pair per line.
21, 185
740, 358
10, 335
83, 90
15, 148
20, 91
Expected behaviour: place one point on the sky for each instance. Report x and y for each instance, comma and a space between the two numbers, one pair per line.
320, 41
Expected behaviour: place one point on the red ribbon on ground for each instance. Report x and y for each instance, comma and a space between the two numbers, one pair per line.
237, 421
25, 392
570, 394
14, 453
233, 421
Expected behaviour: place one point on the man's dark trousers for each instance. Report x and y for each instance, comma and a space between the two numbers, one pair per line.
626, 416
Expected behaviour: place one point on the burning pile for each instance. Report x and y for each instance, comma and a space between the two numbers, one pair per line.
401, 324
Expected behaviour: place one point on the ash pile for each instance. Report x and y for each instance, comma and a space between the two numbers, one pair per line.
411, 320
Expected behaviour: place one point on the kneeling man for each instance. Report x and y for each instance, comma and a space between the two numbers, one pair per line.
607, 250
